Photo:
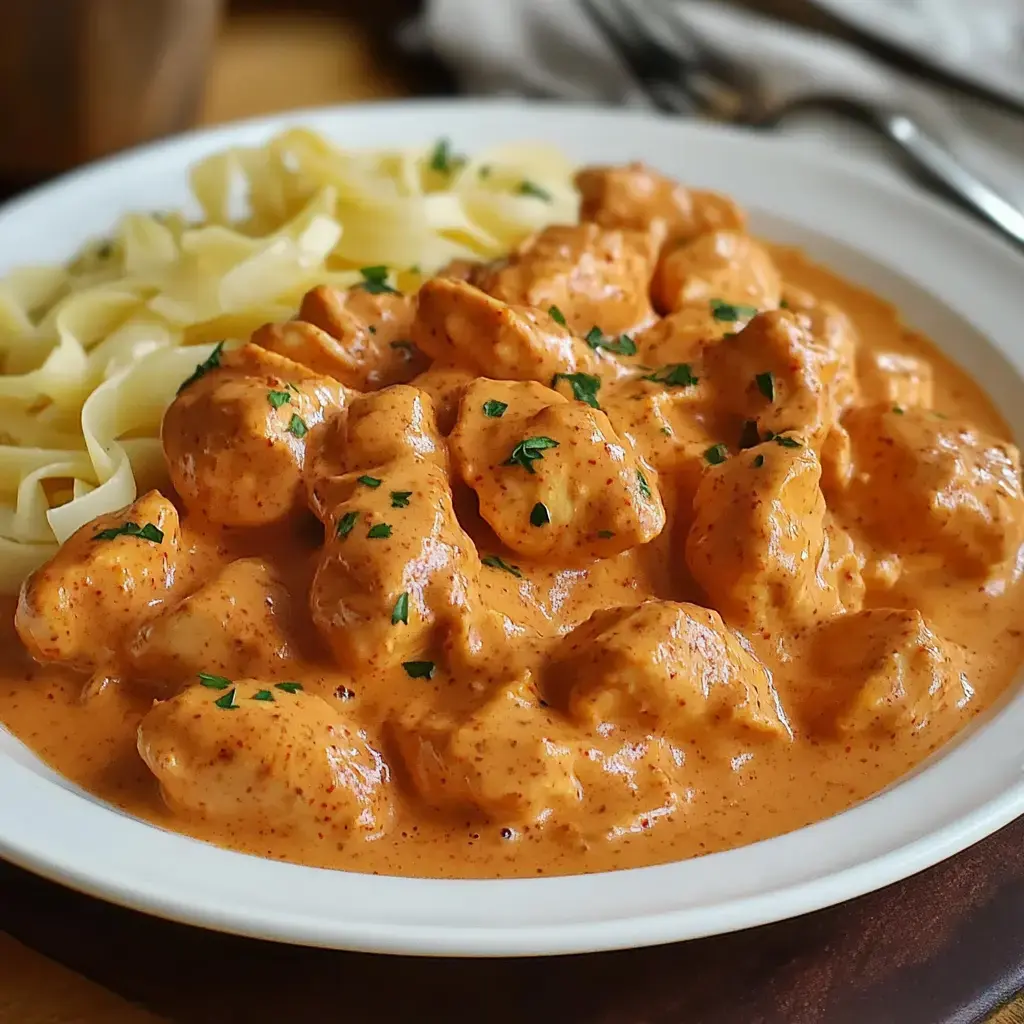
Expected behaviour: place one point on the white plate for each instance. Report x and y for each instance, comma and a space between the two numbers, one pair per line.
951, 279
980, 41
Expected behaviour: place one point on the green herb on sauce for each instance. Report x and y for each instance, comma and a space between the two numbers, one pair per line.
528, 451
400, 499
345, 524
227, 702
786, 442
213, 682
379, 530
539, 515
898, 409
758, 461
495, 409
716, 454
262, 695
375, 281
211, 362
494, 562
766, 385
443, 160
297, 426
557, 315
729, 312
278, 398
624, 345
585, 386
674, 375
605, 534
400, 613
147, 532
530, 188
418, 669
369, 481
288, 687
645, 487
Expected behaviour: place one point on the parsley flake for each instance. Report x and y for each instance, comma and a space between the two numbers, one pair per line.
147, 532
530, 188
262, 695
758, 461
443, 160
528, 451
605, 534
557, 315
227, 702
624, 345
213, 682
211, 362
495, 562
288, 687
786, 442
899, 410
495, 409
375, 281
278, 398
716, 454
369, 481
400, 499
418, 669
645, 487
345, 524
585, 386
766, 385
539, 515
675, 375
730, 312
297, 426
400, 613
379, 530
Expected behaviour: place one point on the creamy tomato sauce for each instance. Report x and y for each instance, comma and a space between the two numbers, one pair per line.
649, 541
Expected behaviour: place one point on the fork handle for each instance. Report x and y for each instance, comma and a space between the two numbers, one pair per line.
931, 159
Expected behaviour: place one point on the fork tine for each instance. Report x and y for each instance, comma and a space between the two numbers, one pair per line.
658, 71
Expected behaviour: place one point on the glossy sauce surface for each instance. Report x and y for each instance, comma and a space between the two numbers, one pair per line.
685, 651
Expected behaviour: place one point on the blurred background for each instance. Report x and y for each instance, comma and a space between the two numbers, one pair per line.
83, 78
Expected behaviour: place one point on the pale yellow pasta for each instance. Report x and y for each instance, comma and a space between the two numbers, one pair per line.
93, 352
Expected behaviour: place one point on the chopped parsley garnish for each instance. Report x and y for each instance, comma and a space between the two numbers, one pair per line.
400, 499
557, 315
371, 329
418, 669
495, 562
147, 532
213, 682
898, 409
369, 481
624, 345
675, 375
758, 461
749, 435
227, 702
729, 312
400, 613
783, 304
379, 530
645, 487
297, 426
530, 188
539, 515
278, 398
605, 534
528, 451
375, 281
211, 362
716, 454
786, 442
766, 385
495, 409
667, 431
585, 386
443, 160
262, 695
485, 171
407, 348
345, 524
288, 687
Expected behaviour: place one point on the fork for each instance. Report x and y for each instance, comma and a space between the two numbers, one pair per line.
683, 73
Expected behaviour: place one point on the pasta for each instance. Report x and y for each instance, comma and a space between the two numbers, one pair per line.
93, 351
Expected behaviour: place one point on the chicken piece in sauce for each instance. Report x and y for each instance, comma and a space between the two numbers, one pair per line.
924, 485
358, 337
108, 577
595, 277
234, 625
235, 440
761, 546
634, 196
553, 478
896, 378
268, 758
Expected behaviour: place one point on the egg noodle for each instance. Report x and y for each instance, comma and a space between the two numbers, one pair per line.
95, 351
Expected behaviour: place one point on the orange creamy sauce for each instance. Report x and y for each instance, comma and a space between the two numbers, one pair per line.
745, 788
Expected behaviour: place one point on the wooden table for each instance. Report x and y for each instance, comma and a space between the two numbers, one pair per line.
944, 946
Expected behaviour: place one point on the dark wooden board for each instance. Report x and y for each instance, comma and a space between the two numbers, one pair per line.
944, 946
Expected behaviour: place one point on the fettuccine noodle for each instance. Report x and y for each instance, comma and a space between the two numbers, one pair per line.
95, 351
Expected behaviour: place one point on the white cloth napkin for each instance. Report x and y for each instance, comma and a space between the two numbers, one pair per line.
550, 48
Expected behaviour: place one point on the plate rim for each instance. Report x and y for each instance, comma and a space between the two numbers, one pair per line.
38, 847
